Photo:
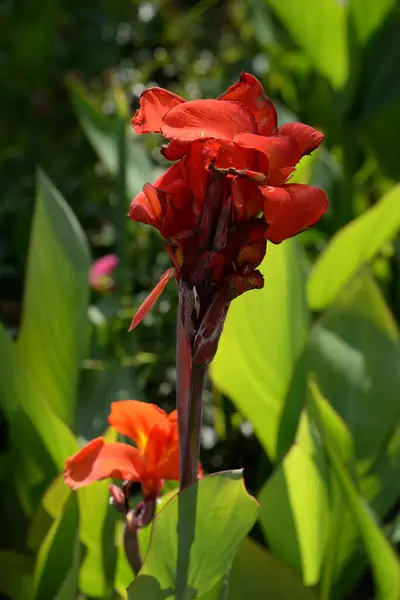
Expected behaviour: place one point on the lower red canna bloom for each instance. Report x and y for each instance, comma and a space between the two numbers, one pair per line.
154, 459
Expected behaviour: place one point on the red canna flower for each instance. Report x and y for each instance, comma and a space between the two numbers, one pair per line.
155, 457
236, 135
227, 194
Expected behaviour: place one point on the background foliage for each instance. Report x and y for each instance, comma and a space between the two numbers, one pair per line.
304, 390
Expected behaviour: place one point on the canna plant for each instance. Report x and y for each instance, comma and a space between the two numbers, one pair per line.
216, 207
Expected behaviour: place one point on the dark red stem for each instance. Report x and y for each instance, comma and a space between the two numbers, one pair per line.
190, 467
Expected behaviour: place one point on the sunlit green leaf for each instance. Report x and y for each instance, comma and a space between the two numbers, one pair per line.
319, 27
263, 337
352, 247
187, 557
384, 562
355, 354
295, 516
367, 16
51, 344
258, 574
97, 533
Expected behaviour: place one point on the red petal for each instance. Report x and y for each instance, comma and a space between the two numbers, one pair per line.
169, 465
306, 137
100, 460
154, 104
146, 208
151, 298
175, 150
202, 119
280, 151
250, 92
291, 209
247, 198
136, 420
156, 447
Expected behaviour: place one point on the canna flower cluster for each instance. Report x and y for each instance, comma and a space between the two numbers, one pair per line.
225, 197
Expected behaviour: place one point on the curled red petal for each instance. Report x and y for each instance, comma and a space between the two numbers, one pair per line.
203, 119
146, 207
154, 104
250, 92
136, 420
102, 460
307, 138
151, 298
290, 209
281, 151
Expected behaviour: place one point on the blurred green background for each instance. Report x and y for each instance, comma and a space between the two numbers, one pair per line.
71, 74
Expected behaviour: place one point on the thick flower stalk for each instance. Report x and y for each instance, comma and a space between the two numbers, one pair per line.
228, 194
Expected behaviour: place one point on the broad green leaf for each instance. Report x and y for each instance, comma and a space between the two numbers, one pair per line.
367, 16
384, 562
352, 247
51, 343
97, 533
102, 132
16, 572
319, 27
50, 509
294, 516
355, 353
380, 486
258, 574
187, 557
40, 440
263, 337
58, 559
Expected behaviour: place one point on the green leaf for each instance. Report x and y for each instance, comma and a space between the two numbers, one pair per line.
195, 563
16, 572
295, 516
319, 27
263, 337
103, 132
258, 574
367, 16
51, 343
384, 562
40, 440
58, 559
97, 533
355, 353
353, 246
